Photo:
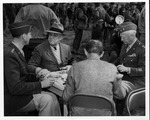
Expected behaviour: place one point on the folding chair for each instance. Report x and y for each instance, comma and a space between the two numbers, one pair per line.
136, 100
91, 101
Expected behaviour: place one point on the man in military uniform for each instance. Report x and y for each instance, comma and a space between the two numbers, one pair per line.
131, 62
20, 94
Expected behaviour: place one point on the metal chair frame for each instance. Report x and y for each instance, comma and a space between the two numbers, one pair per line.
135, 99
91, 101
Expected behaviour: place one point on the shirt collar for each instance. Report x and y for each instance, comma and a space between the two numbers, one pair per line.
132, 43
57, 47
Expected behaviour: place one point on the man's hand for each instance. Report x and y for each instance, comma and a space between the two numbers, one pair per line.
47, 82
66, 68
122, 68
119, 76
42, 73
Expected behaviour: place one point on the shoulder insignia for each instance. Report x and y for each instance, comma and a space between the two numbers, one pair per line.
141, 44
13, 50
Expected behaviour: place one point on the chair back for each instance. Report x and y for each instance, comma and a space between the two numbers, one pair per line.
91, 101
135, 99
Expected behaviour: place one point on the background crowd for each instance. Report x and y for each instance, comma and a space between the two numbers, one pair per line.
68, 16
65, 11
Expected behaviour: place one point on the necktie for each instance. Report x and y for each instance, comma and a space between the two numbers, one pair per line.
128, 48
22, 52
55, 48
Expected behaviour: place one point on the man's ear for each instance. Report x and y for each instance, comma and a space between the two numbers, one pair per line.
102, 54
85, 51
23, 35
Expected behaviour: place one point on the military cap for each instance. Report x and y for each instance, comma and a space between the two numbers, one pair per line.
126, 26
56, 28
19, 28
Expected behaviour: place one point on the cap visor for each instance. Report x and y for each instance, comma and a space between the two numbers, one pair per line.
50, 31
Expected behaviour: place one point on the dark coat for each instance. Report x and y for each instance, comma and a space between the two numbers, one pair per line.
135, 59
43, 57
17, 91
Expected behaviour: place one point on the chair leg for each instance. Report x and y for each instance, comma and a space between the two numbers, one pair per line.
120, 104
61, 103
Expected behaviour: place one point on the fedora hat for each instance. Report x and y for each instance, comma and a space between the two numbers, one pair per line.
56, 28
19, 28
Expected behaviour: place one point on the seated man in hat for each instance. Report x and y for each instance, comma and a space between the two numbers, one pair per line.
21, 95
131, 62
51, 55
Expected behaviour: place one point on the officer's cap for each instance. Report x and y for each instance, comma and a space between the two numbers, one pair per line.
19, 28
126, 26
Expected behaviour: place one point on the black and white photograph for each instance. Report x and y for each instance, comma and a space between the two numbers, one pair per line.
75, 60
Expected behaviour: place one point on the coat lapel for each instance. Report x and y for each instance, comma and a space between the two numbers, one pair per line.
123, 51
50, 53
62, 53
132, 49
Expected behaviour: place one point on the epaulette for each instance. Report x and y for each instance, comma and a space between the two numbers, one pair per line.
141, 44
13, 50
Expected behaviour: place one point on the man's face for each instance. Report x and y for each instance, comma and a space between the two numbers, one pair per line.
27, 38
54, 38
126, 38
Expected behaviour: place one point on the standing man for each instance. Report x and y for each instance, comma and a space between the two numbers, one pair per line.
21, 95
100, 17
41, 17
141, 26
80, 24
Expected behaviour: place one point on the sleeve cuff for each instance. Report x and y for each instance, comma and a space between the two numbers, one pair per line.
129, 70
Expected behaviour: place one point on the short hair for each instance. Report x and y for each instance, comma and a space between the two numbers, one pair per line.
94, 46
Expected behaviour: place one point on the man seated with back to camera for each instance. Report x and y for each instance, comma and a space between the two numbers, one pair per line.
93, 76
131, 62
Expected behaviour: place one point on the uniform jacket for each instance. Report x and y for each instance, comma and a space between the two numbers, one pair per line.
135, 59
101, 14
41, 16
90, 76
43, 57
80, 18
17, 91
